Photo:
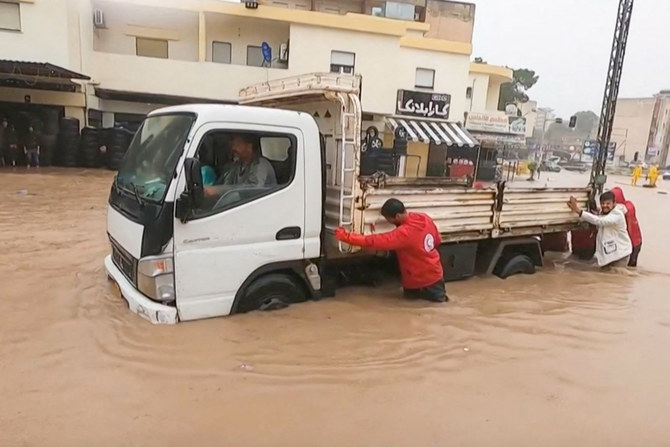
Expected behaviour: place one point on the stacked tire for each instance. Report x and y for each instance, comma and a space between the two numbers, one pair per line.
89, 149
49, 137
68, 142
48, 145
116, 144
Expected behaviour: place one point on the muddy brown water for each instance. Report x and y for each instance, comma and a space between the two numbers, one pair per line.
569, 356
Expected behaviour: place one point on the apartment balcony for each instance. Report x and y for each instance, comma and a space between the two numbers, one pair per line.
220, 82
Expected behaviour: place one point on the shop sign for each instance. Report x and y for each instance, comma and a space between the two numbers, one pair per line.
423, 104
517, 125
591, 149
487, 122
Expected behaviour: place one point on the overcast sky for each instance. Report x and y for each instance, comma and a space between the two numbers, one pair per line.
568, 42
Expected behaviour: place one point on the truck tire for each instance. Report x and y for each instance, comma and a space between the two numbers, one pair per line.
515, 265
272, 292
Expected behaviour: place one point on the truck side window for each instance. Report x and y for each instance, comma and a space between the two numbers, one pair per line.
239, 167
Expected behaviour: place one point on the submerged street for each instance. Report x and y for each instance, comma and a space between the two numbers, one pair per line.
568, 356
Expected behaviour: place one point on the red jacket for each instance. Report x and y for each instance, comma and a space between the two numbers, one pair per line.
415, 243
633, 225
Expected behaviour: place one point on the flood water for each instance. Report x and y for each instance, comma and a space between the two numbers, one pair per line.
569, 356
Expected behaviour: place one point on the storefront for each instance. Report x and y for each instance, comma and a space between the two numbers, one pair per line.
37, 96
502, 137
436, 147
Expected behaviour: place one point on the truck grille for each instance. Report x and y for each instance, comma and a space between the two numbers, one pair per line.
124, 261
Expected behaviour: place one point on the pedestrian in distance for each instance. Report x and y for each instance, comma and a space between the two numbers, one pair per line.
13, 152
632, 225
653, 176
415, 241
637, 173
613, 245
31, 148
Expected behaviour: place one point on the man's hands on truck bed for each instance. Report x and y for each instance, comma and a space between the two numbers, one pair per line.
343, 235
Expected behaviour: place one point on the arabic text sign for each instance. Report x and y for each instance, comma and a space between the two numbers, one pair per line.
591, 149
426, 105
488, 122
517, 125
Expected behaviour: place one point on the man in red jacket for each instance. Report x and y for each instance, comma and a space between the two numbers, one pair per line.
415, 241
632, 225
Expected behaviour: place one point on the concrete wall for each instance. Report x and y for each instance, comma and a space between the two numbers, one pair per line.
493, 94
179, 27
44, 35
480, 88
383, 64
241, 32
180, 78
632, 123
450, 21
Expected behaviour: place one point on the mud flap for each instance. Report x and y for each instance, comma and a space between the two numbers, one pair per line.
584, 242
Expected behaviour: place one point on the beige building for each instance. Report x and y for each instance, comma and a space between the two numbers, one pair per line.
112, 61
642, 128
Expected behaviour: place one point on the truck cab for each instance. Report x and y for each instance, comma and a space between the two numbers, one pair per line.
240, 245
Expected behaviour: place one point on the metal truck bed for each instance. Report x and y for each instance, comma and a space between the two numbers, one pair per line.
461, 213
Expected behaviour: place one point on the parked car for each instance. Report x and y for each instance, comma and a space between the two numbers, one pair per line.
550, 166
644, 165
666, 174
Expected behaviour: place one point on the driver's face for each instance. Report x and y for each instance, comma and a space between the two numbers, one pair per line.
241, 148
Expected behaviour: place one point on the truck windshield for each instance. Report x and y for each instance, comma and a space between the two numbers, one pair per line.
151, 159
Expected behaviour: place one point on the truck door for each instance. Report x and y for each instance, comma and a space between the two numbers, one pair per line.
249, 225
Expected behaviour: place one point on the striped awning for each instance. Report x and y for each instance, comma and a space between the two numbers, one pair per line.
435, 131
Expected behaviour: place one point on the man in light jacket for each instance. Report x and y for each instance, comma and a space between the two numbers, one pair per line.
613, 246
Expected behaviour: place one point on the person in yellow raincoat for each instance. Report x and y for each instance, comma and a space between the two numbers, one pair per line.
637, 173
653, 176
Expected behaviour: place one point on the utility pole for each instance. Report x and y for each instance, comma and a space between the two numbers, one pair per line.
610, 96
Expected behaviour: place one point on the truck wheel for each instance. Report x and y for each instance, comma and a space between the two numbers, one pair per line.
515, 265
272, 292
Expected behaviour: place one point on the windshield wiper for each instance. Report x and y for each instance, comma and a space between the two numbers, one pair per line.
134, 190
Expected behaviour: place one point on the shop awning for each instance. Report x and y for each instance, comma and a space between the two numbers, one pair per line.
38, 75
433, 131
154, 98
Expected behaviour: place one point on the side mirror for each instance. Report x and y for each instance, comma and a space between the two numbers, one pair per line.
192, 197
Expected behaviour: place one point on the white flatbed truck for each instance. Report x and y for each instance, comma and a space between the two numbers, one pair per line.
178, 254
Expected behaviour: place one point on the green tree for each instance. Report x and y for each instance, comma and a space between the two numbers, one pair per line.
515, 92
587, 124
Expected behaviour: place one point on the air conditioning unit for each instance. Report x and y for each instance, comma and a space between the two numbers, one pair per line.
99, 18
283, 52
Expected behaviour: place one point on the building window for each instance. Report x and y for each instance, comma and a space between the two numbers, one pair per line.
95, 118
425, 78
342, 62
254, 56
10, 16
152, 47
221, 52
468, 93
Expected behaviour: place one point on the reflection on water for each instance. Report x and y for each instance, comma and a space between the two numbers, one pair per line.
569, 355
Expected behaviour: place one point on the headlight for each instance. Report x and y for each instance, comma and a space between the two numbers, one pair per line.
155, 278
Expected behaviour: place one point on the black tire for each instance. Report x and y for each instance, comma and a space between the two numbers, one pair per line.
68, 142
515, 265
116, 146
51, 119
272, 292
90, 147
584, 255
48, 144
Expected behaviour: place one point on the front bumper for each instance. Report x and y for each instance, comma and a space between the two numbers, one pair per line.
138, 303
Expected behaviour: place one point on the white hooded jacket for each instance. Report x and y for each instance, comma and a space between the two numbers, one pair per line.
612, 242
